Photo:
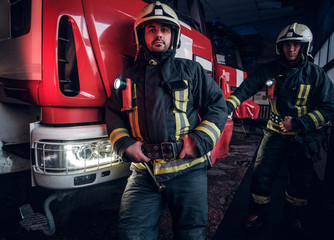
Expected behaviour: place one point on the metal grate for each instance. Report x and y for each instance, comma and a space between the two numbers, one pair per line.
59, 158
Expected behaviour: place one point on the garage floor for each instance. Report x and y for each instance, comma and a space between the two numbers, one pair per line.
92, 213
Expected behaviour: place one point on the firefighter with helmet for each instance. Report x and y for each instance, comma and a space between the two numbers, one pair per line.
301, 98
165, 119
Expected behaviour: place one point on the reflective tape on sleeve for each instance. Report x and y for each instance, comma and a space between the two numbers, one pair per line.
317, 118
117, 134
210, 129
234, 100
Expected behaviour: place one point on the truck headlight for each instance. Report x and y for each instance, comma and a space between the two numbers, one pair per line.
74, 155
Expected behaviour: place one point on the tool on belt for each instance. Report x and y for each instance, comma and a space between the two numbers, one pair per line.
166, 151
160, 186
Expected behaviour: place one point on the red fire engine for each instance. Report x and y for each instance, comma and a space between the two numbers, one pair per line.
58, 63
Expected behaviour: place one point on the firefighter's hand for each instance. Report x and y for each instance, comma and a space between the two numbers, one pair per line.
189, 149
135, 154
286, 125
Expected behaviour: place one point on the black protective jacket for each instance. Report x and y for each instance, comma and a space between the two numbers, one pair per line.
303, 91
172, 98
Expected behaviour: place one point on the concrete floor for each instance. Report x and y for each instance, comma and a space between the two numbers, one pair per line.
93, 212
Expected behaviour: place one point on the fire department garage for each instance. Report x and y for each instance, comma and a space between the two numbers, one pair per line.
59, 176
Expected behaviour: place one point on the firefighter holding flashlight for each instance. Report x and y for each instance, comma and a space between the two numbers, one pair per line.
165, 116
301, 98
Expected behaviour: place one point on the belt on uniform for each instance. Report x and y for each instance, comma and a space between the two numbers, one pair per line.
165, 150
275, 118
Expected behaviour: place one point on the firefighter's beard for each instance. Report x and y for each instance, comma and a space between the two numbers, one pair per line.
158, 47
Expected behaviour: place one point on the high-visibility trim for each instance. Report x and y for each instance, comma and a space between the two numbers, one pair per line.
273, 105
152, 62
275, 127
234, 100
304, 90
133, 117
301, 110
134, 123
317, 118
161, 166
117, 134
260, 199
210, 129
182, 124
299, 202
134, 92
181, 99
139, 165
302, 97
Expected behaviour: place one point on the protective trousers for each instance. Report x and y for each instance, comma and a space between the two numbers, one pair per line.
273, 151
142, 205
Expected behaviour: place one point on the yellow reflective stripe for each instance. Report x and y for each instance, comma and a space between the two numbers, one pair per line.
117, 134
134, 92
260, 199
139, 165
304, 90
308, 88
275, 127
134, 123
234, 100
133, 117
296, 201
181, 98
163, 167
273, 105
317, 118
301, 110
181, 120
152, 62
302, 96
181, 123
210, 129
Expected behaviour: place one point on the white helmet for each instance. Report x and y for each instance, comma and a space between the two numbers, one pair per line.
157, 12
295, 32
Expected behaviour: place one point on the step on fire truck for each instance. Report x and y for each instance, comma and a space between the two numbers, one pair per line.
58, 63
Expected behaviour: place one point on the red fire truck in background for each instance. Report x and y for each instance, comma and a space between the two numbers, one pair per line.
58, 63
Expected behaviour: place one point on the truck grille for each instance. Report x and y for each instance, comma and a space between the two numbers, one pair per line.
67, 59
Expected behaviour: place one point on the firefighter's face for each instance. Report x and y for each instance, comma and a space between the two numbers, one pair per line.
291, 50
157, 37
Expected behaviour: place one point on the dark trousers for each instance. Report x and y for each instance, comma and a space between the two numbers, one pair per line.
142, 205
273, 151
329, 172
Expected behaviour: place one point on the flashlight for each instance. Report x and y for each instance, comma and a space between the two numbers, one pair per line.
126, 87
270, 84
